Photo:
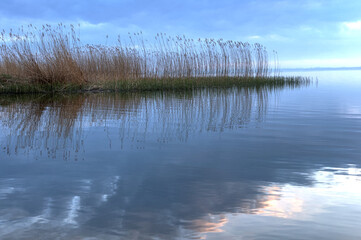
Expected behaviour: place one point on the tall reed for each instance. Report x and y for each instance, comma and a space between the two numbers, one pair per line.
56, 55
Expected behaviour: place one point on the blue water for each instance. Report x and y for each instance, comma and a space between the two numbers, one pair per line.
235, 163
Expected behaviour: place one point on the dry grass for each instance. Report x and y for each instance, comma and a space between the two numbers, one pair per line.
55, 56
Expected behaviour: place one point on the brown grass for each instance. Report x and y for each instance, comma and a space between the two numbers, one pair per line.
55, 55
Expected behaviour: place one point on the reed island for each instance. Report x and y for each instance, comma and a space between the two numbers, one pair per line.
54, 59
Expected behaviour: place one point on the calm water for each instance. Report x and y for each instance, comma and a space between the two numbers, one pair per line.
209, 164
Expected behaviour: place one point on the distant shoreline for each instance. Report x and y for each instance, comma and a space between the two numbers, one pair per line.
319, 69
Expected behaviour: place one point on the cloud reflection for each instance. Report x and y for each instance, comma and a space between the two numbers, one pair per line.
200, 188
141, 216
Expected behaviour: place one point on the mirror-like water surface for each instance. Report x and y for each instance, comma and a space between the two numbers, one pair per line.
260, 163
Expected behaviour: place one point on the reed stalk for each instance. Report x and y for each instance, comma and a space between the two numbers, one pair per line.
54, 56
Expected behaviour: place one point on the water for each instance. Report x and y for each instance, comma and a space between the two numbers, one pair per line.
209, 164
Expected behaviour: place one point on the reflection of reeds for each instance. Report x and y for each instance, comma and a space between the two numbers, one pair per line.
42, 122
55, 57
57, 123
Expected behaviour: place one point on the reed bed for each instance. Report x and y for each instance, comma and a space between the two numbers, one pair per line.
54, 58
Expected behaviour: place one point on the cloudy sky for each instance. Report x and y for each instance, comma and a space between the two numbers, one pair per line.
306, 33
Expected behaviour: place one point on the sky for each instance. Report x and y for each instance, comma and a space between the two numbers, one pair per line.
305, 33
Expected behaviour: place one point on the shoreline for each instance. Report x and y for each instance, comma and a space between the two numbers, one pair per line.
13, 86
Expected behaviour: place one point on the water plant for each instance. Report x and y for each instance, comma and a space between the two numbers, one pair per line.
54, 58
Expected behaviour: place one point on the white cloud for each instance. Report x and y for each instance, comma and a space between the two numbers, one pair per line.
269, 37
353, 25
12, 39
88, 25
254, 37
277, 37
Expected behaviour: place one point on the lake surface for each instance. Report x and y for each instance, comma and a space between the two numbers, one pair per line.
281, 163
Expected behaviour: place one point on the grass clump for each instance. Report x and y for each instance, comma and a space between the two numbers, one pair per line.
54, 59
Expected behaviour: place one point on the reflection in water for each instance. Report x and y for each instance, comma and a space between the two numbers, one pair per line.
53, 125
206, 164
124, 214
299, 202
280, 204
